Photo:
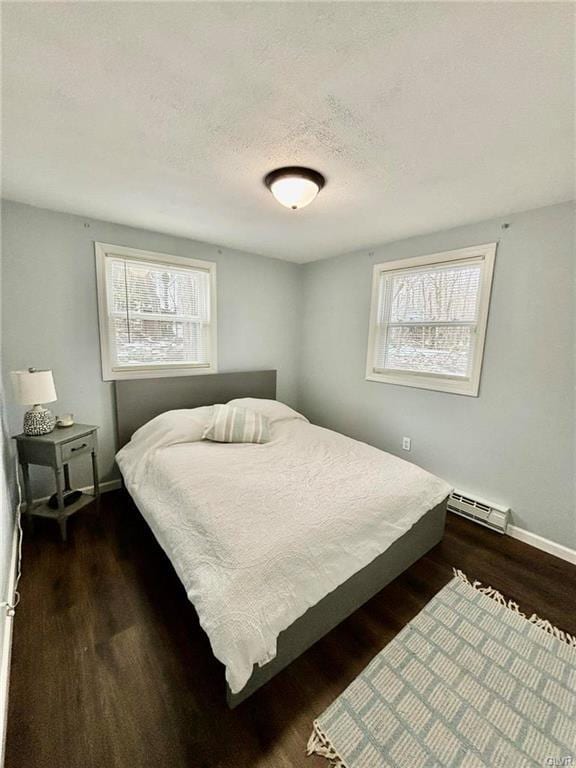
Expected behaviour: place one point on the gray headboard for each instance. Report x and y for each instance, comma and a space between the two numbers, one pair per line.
139, 400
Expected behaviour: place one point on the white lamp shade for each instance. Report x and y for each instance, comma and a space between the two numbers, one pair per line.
33, 387
294, 191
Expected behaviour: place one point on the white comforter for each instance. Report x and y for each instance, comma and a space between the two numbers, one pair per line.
259, 533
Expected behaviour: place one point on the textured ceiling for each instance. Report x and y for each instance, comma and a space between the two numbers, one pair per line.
167, 115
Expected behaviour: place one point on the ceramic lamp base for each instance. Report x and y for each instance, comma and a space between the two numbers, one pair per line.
39, 421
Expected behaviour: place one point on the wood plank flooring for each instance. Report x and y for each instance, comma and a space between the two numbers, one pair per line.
110, 668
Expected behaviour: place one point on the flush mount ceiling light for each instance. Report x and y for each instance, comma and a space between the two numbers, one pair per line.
294, 187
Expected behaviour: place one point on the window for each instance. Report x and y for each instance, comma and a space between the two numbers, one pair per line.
157, 313
428, 320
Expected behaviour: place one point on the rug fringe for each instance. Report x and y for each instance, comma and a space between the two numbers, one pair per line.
511, 605
318, 744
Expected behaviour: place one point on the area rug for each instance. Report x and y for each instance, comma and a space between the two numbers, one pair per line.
469, 682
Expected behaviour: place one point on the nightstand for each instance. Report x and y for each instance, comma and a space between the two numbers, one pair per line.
57, 450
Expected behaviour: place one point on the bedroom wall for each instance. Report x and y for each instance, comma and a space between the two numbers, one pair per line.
513, 444
8, 502
50, 314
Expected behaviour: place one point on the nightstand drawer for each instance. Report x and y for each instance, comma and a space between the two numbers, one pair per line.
77, 447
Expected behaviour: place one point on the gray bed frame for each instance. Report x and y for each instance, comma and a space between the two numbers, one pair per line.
139, 400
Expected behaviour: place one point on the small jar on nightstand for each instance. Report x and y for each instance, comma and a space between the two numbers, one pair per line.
57, 449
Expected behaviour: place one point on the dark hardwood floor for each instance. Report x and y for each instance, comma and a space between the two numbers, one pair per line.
110, 668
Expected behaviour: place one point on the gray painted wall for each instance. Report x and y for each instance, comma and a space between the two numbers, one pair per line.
8, 498
50, 313
513, 444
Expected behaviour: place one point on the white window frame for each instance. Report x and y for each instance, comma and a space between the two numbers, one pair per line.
112, 373
440, 383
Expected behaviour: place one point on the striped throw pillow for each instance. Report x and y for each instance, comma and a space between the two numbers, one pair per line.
237, 425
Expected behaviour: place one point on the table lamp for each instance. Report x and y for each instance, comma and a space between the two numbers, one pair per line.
33, 387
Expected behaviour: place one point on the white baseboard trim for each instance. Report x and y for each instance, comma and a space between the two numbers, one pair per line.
558, 550
6, 649
534, 540
109, 485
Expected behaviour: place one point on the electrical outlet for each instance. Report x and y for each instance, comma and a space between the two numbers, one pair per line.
406, 443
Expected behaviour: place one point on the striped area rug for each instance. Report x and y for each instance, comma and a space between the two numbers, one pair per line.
469, 682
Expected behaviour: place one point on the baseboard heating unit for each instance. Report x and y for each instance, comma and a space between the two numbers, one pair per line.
479, 510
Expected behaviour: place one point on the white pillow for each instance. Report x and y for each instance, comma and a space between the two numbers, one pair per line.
237, 425
180, 426
272, 409
185, 425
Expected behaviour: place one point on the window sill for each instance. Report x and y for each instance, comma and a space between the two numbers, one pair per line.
450, 386
156, 373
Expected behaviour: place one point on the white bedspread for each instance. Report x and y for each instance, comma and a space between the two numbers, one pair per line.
259, 533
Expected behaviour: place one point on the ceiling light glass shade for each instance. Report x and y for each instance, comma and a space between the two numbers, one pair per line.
294, 191
294, 187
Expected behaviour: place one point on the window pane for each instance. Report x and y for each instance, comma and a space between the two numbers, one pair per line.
445, 293
158, 313
159, 289
426, 349
116, 286
157, 342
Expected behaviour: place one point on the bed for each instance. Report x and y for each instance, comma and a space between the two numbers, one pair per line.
275, 544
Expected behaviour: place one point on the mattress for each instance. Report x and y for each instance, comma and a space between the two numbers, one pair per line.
260, 533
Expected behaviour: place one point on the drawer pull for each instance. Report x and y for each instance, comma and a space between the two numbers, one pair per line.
79, 447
